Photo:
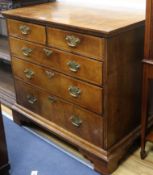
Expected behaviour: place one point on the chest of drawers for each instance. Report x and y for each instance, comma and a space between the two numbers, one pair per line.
77, 73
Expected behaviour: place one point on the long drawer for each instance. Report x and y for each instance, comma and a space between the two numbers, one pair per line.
27, 31
70, 117
74, 65
82, 44
83, 94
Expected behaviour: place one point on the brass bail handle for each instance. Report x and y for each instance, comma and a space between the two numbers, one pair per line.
26, 51
25, 30
76, 121
31, 99
74, 91
72, 40
29, 73
73, 66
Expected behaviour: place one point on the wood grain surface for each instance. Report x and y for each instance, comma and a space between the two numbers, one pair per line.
93, 47
90, 96
61, 112
89, 70
35, 33
103, 20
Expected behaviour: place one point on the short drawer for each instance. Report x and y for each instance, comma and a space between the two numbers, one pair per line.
27, 31
86, 45
83, 123
73, 65
78, 92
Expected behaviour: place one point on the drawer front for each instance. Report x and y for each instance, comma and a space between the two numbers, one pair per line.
77, 43
77, 66
81, 93
27, 31
72, 118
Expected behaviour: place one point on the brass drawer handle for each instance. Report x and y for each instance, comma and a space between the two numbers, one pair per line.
31, 99
26, 51
47, 52
52, 99
73, 66
25, 30
29, 73
74, 91
49, 74
76, 121
72, 41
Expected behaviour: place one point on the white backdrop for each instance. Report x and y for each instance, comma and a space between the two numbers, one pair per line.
134, 4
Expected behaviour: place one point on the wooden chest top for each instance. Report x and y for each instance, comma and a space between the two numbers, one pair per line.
101, 21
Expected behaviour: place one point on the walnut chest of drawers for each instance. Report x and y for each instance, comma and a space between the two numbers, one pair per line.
77, 73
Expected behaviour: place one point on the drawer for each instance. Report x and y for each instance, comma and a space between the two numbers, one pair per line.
83, 123
83, 94
86, 45
73, 65
27, 31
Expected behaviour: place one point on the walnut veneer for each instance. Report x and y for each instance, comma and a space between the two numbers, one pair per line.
77, 74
